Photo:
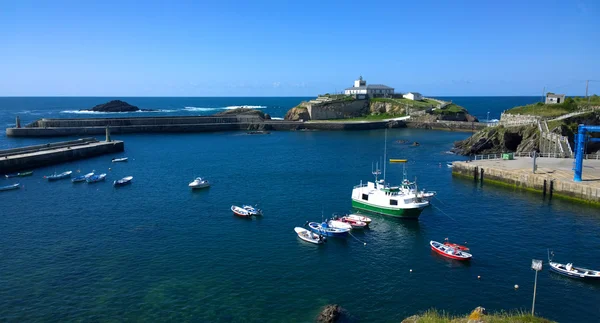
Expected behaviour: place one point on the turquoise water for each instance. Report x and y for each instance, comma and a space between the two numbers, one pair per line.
155, 251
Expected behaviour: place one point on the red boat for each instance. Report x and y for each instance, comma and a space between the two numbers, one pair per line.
455, 245
449, 252
356, 224
241, 212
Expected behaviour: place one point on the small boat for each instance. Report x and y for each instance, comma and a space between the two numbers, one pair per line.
118, 160
359, 217
455, 245
199, 182
82, 178
59, 176
240, 211
95, 178
252, 210
449, 252
123, 181
10, 187
339, 224
571, 271
449, 165
356, 224
23, 174
308, 236
326, 230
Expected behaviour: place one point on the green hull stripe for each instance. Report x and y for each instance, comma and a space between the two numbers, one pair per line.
400, 213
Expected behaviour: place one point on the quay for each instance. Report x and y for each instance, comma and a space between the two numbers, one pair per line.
96, 126
30, 157
553, 176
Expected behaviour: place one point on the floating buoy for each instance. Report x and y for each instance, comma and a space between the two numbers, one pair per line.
365, 243
411, 270
109, 168
516, 286
478, 277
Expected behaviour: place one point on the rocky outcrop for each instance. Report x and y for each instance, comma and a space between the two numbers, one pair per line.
494, 140
297, 113
115, 106
333, 313
378, 107
243, 111
340, 109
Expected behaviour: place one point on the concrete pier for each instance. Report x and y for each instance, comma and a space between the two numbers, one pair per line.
553, 176
27, 158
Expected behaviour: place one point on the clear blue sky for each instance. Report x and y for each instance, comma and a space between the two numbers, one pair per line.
287, 48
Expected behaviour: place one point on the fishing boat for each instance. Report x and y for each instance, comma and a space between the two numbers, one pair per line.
10, 187
339, 224
95, 178
56, 177
118, 160
240, 211
409, 187
326, 230
82, 178
252, 210
455, 245
21, 174
449, 252
199, 182
308, 236
355, 224
571, 271
359, 217
449, 165
123, 181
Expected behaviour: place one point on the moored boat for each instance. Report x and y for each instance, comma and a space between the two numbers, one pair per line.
10, 187
449, 252
253, 210
571, 271
309, 236
355, 224
82, 178
339, 224
118, 160
326, 230
359, 217
449, 165
123, 181
240, 211
455, 245
58, 176
20, 174
199, 182
95, 178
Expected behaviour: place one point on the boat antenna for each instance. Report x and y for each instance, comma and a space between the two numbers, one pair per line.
384, 155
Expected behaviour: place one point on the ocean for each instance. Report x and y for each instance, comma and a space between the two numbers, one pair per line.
156, 251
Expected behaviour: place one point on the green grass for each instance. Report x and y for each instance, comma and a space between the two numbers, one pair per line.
338, 96
434, 316
450, 109
371, 117
424, 104
571, 104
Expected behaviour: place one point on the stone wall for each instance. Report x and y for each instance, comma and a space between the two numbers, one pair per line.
337, 109
518, 118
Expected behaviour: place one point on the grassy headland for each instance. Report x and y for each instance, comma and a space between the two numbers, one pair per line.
421, 105
434, 316
571, 104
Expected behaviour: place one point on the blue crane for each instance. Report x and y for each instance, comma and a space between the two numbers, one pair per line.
580, 142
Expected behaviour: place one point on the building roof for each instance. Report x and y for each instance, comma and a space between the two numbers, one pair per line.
414, 93
552, 95
371, 87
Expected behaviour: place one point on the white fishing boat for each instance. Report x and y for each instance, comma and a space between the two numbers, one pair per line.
199, 182
339, 224
572, 271
123, 181
240, 211
358, 217
10, 187
252, 210
409, 187
119, 160
309, 236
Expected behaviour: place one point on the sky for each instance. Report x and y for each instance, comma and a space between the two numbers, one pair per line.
297, 48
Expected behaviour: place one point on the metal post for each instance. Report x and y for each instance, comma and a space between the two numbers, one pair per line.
534, 160
579, 151
534, 290
18, 122
107, 134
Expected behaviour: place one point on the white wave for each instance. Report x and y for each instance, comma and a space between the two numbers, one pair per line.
245, 106
199, 109
276, 118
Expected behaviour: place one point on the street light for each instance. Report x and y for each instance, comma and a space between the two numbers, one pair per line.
537, 266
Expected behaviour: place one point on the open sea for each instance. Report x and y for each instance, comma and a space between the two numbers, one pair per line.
155, 251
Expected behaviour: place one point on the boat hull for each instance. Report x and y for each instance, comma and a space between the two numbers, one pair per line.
394, 212
577, 275
9, 187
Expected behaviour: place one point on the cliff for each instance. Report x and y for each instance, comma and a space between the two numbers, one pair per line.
298, 113
493, 140
114, 106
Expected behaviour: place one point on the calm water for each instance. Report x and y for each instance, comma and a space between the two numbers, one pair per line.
154, 251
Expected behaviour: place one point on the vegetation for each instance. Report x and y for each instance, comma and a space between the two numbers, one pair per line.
423, 104
450, 110
434, 316
370, 117
571, 104
338, 96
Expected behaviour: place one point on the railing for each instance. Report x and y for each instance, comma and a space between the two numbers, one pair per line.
530, 155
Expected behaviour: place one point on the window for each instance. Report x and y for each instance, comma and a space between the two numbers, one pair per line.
365, 197
393, 202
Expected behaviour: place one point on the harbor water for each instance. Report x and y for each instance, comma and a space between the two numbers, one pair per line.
156, 251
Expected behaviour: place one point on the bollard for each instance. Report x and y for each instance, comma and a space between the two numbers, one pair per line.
17, 122
551, 187
481, 176
107, 134
544, 190
475, 173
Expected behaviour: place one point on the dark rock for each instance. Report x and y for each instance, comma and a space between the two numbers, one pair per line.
242, 111
333, 313
297, 113
495, 140
267, 116
115, 106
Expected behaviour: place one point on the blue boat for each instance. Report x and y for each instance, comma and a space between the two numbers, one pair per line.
9, 187
123, 181
58, 176
326, 230
95, 178
82, 178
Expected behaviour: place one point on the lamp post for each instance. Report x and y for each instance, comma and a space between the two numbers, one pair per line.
537, 266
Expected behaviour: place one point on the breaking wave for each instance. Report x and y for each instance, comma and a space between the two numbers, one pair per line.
199, 109
245, 106
276, 118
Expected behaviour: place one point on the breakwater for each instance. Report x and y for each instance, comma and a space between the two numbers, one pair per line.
447, 125
553, 176
26, 158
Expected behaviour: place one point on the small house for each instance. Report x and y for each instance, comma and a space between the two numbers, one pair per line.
415, 96
552, 98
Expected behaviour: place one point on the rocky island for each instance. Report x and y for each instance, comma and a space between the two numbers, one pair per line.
115, 106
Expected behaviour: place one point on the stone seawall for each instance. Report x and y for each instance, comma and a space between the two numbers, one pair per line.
31, 160
447, 125
337, 109
544, 183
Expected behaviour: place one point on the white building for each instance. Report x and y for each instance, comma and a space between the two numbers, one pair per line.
361, 90
552, 98
415, 96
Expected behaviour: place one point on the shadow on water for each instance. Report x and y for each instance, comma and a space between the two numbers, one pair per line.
572, 282
452, 263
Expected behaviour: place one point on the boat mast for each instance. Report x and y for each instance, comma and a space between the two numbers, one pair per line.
384, 156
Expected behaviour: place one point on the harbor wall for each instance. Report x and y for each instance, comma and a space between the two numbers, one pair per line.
329, 110
27, 161
544, 184
447, 125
